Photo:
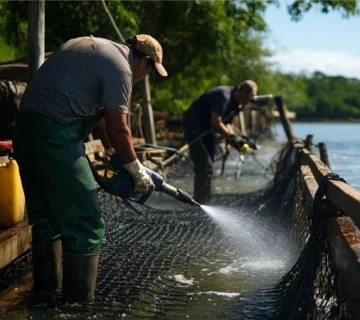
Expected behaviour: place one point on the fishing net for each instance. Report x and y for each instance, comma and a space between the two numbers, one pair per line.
144, 247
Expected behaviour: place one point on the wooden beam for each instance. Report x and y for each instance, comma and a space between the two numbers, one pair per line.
36, 35
14, 72
344, 239
309, 183
171, 159
342, 195
324, 154
149, 125
346, 198
254, 114
14, 242
94, 146
242, 122
22, 60
284, 119
318, 168
289, 114
309, 142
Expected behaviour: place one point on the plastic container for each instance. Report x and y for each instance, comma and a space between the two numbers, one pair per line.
12, 200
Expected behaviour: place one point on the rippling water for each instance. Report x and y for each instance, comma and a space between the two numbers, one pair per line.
343, 144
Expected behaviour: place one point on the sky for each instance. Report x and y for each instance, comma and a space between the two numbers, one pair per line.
318, 42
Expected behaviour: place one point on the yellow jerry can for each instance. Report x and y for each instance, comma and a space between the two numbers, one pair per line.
12, 200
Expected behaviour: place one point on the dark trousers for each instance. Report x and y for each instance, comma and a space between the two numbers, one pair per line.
202, 156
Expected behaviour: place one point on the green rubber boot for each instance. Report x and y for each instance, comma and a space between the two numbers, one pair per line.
79, 276
47, 266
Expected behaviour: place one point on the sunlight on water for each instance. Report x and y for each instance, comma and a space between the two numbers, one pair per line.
265, 244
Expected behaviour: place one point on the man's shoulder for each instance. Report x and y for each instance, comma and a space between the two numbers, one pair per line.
220, 91
117, 53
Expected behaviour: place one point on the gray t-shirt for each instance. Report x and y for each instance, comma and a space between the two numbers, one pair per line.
79, 79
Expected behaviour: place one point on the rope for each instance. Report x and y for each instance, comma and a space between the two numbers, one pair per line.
112, 21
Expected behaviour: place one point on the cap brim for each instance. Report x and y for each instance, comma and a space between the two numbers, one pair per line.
160, 68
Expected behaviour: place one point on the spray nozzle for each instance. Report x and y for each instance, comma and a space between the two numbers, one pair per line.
186, 198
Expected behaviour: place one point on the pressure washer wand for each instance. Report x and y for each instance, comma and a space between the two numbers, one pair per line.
178, 194
122, 183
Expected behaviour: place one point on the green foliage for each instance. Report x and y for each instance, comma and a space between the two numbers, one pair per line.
347, 8
330, 97
206, 43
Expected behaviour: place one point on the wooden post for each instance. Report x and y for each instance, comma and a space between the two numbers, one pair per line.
253, 121
284, 119
242, 122
149, 125
324, 154
309, 142
36, 35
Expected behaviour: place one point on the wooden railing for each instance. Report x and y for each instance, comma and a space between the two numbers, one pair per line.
343, 208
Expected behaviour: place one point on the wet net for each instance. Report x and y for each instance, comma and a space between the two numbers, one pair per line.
144, 247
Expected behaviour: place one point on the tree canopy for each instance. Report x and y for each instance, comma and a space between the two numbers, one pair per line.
206, 43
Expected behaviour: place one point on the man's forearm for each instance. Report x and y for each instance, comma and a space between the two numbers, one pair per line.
121, 141
100, 132
222, 129
230, 129
119, 134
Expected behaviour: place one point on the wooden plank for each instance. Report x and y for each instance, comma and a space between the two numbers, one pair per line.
342, 195
289, 114
22, 60
151, 153
344, 239
318, 168
309, 184
94, 146
14, 242
346, 198
137, 141
14, 72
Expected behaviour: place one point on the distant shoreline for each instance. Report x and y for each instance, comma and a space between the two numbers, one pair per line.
303, 120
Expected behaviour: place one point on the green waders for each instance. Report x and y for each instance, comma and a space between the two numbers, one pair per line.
61, 202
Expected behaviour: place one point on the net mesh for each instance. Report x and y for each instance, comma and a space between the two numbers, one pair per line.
143, 245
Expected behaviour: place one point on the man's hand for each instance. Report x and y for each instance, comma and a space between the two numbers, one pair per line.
250, 142
242, 144
143, 183
235, 141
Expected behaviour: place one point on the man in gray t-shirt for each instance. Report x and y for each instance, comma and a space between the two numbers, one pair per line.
87, 81
82, 77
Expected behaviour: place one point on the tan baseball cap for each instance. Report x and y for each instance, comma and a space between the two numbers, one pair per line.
151, 47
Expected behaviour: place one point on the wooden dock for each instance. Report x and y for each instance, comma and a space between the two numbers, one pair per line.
14, 242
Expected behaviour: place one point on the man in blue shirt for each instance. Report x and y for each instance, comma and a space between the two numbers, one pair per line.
212, 112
